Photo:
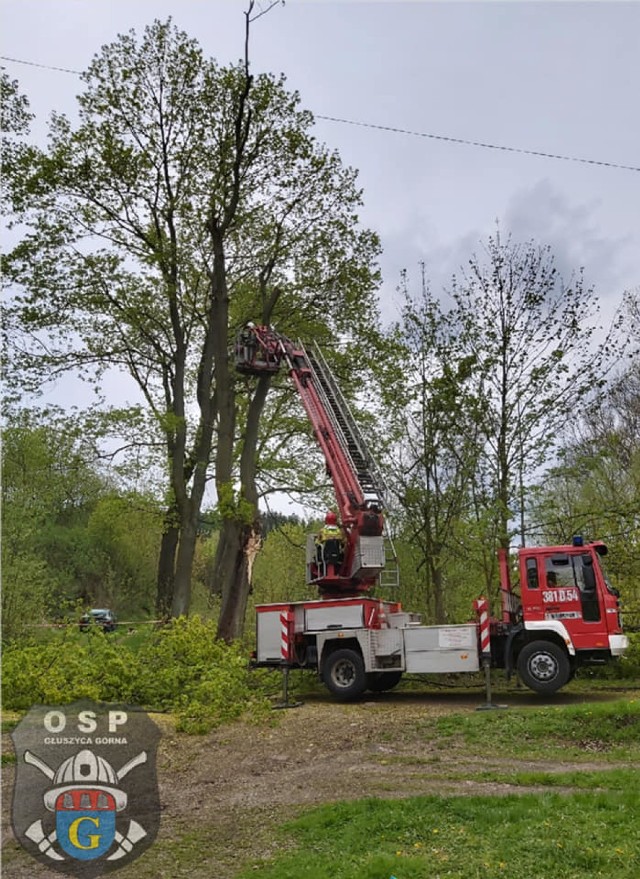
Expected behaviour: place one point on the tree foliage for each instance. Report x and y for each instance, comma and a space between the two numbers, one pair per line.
15, 119
69, 537
179, 668
479, 396
531, 334
189, 198
46, 489
434, 421
594, 489
280, 568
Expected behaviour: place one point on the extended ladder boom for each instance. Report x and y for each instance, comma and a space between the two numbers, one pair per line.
358, 484
368, 475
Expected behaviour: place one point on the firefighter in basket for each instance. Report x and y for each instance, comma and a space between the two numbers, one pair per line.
330, 544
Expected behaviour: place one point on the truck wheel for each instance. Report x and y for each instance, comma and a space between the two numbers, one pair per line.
380, 682
544, 666
344, 675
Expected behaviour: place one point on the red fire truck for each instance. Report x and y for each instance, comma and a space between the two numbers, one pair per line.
566, 613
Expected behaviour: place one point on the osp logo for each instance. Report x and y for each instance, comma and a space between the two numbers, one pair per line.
86, 795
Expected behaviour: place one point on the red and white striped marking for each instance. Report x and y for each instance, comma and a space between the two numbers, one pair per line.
286, 618
481, 606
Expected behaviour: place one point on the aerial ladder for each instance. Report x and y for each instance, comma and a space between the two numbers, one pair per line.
356, 566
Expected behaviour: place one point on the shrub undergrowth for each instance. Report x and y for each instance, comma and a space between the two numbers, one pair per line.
180, 668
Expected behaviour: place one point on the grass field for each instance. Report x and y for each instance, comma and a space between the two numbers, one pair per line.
533, 836
424, 787
580, 823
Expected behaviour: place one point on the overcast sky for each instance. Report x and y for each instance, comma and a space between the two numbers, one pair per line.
554, 77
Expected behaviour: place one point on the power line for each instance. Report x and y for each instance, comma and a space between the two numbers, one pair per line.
477, 143
43, 66
406, 131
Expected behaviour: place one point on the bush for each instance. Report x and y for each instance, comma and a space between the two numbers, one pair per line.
626, 668
629, 664
185, 669
182, 668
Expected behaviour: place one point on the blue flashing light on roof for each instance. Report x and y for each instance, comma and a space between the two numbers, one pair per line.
577, 540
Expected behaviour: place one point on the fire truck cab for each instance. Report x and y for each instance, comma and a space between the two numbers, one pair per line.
569, 615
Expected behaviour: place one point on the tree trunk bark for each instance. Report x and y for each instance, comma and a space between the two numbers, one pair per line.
189, 516
240, 541
166, 565
438, 597
184, 565
235, 568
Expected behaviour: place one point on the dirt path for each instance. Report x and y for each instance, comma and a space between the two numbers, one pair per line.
239, 781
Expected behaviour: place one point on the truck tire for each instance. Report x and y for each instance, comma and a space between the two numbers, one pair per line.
544, 666
344, 675
381, 681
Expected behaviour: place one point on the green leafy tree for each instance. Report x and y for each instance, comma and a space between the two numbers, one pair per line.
434, 418
124, 531
69, 537
594, 489
486, 390
280, 567
531, 338
15, 119
189, 198
47, 489
14, 107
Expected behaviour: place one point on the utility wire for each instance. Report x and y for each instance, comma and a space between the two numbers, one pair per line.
408, 132
43, 66
477, 143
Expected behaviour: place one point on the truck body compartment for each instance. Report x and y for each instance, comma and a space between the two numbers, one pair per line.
441, 649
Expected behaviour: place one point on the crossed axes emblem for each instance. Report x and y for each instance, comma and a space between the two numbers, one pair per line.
35, 832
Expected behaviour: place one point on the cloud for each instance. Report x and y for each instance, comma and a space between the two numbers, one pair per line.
542, 213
